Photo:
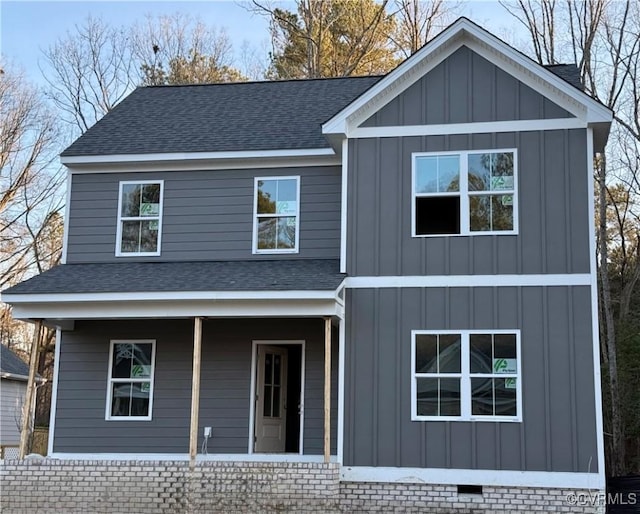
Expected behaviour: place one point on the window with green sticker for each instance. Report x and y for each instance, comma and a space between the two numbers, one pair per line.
466, 375
130, 388
464, 193
139, 218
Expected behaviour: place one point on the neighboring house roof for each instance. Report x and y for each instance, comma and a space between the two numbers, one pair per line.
11, 366
11, 363
229, 117
125, 277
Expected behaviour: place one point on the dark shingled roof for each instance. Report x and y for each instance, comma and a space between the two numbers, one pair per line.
11, 363
230, 117
567, 72
241, 116
127, 277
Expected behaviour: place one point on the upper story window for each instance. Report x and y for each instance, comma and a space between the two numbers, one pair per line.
139, 218
466, 375
276, 215
464, 193
130, 387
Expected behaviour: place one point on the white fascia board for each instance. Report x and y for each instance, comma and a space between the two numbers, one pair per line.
60, 311
196, 156
15, 299
483, 477
479, 40
542, 280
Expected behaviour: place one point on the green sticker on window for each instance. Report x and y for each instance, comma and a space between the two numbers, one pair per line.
510, 383
140, 370
149, 209
504, 366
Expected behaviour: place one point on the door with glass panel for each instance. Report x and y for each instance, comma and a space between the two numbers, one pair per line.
271, 396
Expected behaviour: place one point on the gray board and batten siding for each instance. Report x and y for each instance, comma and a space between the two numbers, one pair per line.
224, 390
558, 427
465, 88
552, 197
207, 215
552, 177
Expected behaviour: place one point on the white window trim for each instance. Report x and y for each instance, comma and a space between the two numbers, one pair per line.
465, 378
276, 251
151, 379
464, 193
119, 252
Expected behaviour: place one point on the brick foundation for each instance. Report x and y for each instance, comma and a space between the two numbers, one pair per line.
155, 487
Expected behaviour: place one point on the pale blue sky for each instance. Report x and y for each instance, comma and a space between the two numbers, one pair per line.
29, 26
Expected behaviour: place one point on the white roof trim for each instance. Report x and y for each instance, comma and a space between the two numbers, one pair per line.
465, 32
195, 156
167, 296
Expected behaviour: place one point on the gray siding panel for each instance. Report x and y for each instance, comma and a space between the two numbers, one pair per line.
465, 88
225, 385
12, 394
557, 432
207, 215
553, 209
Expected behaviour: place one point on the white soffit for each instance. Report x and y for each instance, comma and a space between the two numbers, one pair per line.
466, 33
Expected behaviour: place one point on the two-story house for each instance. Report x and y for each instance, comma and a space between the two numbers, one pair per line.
393, 273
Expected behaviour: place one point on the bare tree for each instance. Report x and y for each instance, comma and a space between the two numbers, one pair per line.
417, 21
29, 182
89, 71
179, 49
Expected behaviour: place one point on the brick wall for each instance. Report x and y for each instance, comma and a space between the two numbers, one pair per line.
155, 487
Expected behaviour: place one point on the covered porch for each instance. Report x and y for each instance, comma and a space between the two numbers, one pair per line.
237, 375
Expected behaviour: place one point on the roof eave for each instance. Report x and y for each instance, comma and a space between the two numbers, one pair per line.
72, 161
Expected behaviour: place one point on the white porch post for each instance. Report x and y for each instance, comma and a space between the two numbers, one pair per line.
27, 408
195, 391
327, 388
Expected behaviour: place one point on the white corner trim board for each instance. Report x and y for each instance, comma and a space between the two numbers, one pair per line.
54, 393
541, 280
595, 327
484, 477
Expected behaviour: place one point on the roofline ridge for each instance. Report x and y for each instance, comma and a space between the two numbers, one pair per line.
277, 81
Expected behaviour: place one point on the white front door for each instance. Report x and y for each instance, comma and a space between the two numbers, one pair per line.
271, 399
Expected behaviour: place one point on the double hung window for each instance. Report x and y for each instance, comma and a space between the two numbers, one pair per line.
139, 218
464, 193
130, 384
466, 375
276, 215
